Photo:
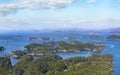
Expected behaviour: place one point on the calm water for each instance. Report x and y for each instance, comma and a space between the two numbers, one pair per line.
111, 47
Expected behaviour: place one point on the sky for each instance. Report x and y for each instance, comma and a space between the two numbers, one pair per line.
59, 14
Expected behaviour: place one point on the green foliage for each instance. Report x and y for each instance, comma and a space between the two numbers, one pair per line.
5, 65
42, 65
38, 48
96, 64
62, 46
21, 65
18, 53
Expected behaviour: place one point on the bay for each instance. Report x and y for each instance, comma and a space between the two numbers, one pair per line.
11, 43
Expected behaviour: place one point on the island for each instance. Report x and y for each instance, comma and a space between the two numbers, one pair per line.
60, 46
96, 64
113, 37
17, 37
2, 48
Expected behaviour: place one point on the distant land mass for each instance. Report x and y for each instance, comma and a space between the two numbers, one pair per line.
109, 30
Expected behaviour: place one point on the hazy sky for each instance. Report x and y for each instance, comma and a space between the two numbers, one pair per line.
59, 14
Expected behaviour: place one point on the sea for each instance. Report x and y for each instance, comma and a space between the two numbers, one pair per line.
13, 41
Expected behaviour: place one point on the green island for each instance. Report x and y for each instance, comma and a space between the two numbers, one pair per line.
61, 46
113, 37
51, 64
96, 64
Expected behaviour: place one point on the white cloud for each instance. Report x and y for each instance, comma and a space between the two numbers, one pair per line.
12, 7
8, 8
33, 4
91, 1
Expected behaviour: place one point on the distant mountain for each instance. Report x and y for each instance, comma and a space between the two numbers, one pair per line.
61, 30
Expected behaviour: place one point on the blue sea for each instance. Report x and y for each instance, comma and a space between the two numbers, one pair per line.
11, 43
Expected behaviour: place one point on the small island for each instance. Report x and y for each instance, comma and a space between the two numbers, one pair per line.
113, 37
2, 48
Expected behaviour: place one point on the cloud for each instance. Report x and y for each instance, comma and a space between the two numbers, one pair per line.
91, 1
8, 8
12, 7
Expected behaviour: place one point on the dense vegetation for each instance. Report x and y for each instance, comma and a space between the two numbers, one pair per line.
96, 64
18, 53
20, 66
114, 37
5, 65
62, 46
50, 64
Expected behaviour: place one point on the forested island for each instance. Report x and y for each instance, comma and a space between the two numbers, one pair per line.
61, 46
113, 37
96, 64
51, 64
